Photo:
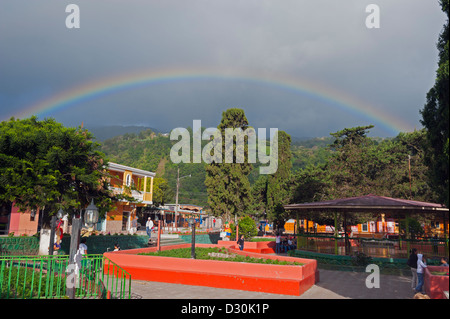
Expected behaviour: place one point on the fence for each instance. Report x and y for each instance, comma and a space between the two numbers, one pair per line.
39, 277
117, 280
384, 248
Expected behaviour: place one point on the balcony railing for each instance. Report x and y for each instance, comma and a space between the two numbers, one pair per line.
138, 195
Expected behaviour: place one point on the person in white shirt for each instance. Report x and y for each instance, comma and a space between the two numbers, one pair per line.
149, 227
83, 247
79, 260
278, 243
421, 265
290, 244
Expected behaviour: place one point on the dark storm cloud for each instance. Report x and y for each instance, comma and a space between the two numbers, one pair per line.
325, 41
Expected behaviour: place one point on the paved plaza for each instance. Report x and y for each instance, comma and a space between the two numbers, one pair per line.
332, 285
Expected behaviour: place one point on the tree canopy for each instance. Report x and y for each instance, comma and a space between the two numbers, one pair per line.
360, 166
227, 184
44, 164
435, 118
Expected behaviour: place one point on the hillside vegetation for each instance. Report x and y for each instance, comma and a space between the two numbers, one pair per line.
148, 150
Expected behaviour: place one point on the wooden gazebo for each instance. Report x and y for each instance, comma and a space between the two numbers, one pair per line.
392, 207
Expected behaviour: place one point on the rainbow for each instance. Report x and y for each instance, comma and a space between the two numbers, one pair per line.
115, 84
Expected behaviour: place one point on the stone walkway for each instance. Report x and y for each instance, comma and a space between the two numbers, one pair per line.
332, 285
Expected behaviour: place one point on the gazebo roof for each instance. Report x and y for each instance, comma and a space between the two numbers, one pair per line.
369, 203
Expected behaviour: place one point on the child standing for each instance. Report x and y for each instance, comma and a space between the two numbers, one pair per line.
421, 265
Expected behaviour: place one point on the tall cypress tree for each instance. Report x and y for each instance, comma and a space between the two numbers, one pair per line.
435, 117
227, 184
278, 184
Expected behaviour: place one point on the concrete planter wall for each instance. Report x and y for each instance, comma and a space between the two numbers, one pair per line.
279, 279
435, 285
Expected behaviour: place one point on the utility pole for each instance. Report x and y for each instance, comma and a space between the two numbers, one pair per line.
176, 197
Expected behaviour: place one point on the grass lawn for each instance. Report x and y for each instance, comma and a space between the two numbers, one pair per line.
217, 253
257, 239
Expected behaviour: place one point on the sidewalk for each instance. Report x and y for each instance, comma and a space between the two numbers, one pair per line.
332, 285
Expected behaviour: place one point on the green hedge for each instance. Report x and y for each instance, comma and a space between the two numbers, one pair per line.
211, 238
101, 244
23, 245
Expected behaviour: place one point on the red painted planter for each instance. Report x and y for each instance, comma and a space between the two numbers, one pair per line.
279, 279
435, 285
262, 247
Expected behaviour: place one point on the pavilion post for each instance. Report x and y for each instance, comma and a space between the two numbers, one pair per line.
445, 237
345, 234
408, 242
307, 232
335, 234
298, 231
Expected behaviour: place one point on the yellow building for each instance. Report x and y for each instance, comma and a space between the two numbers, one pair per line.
133, 182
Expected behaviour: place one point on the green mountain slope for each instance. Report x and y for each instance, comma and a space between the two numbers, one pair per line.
151, 151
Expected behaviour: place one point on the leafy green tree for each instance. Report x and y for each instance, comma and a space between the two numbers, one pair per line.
347, 166
44, 164
227, 184
162, 193
259, 196
359, 166
351, 136
435, 115
278, 186
310, 184
247, 227
415, 228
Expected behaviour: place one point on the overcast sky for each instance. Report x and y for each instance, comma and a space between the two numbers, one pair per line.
251, 49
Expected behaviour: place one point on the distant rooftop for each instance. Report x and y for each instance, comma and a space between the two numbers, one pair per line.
135, 171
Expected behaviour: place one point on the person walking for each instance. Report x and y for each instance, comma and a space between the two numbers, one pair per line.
412, 263
421, 265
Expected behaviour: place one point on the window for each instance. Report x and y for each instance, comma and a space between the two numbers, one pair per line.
128, 180
365, 227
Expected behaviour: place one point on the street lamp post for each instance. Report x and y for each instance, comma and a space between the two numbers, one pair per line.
176, 196
192, 223
52, 235
71, 280
91, 214
90, 218
158, 240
